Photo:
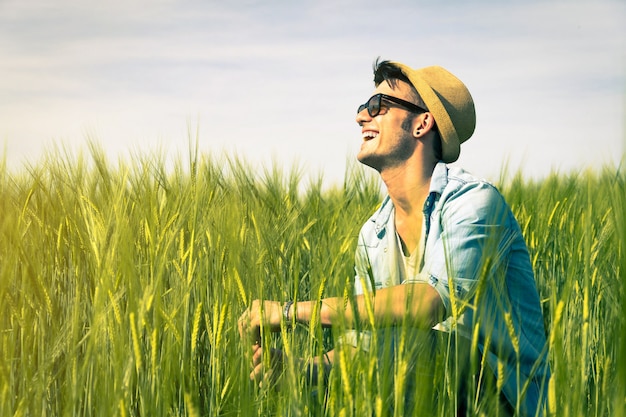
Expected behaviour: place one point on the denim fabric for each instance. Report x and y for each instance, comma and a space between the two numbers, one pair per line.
475, 257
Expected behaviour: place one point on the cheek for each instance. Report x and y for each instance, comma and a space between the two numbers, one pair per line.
407, 124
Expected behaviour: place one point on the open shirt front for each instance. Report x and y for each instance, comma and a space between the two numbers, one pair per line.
476, 259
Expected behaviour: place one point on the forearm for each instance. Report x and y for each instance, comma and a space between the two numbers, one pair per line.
417, 303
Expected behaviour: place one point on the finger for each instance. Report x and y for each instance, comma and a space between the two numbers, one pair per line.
245, 327
257, 373
257, 356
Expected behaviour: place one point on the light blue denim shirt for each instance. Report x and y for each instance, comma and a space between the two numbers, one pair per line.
475, 257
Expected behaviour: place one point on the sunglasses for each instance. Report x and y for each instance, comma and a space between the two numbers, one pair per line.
373, 105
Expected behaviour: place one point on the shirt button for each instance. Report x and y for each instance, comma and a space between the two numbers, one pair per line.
385, 250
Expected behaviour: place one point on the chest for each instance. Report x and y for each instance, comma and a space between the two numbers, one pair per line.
410, 231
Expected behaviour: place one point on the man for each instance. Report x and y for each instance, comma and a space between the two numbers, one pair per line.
442, 252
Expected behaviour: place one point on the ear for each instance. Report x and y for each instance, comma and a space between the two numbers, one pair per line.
423, 124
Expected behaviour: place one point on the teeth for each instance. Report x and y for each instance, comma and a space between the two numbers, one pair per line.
370, 134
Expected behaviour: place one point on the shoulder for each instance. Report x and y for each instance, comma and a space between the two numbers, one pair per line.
453, 181
466, 195
462, 183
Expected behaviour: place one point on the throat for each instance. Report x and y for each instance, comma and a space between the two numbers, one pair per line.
410, 235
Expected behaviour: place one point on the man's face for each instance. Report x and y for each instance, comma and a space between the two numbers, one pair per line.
387, 138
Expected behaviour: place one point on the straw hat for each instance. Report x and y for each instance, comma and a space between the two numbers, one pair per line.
449, 101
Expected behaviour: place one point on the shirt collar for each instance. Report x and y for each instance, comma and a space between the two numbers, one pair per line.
382, 217
438, 182
439, 179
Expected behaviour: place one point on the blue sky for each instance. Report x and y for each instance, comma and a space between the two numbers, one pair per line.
279, 81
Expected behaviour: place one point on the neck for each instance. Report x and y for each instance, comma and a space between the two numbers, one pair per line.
408, 186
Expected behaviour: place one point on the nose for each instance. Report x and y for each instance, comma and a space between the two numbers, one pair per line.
362, 117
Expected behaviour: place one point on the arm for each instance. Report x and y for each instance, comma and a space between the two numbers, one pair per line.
417, 303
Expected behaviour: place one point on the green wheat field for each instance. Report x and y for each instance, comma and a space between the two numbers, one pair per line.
121, 285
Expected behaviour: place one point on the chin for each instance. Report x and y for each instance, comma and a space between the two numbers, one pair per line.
368, 160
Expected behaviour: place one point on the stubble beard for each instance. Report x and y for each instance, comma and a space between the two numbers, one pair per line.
398, 154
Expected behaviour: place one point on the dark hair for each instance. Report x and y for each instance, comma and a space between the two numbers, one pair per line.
386, 71
437, 145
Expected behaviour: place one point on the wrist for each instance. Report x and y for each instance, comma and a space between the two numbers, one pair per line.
287, 312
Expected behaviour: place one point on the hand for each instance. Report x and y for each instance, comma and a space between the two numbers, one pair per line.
266, 376
261, 313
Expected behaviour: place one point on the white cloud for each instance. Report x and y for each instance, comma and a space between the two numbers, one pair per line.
285, 79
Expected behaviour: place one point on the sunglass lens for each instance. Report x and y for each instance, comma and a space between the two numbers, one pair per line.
373, 105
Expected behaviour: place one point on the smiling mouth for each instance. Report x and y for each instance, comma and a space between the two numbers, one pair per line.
369, 135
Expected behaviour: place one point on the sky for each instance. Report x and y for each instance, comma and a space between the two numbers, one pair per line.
278, 82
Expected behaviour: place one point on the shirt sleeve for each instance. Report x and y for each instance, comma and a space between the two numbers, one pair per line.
471, 244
